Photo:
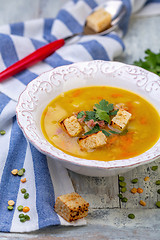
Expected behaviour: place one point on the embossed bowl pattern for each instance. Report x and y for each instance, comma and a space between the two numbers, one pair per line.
48, 85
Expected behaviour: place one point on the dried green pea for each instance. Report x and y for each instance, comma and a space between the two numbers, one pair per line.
20, 172
158, 182
158, 204
26, 195
135, 180
131, 216
122, 184
10, 208
154, 168
2, 132
121, 179
20, 208
124, 199
22, 219
120, 195
123, 189
158, 191
27, 217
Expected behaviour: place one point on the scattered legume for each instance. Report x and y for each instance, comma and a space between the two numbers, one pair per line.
131, 216
124, 199
123, 189
139, 190
11, 203
120, 195
20, 172
122, 184
23, 169
21, 215
26, 195
22, 219
158, 191
10, 208
121, 179
14, 171
158, 204
20, 208
158, 182
27, 217
134, 190
26, 209
2, 132
23, 190
143, 203
23, 180
146, 178
135, 180
154, 168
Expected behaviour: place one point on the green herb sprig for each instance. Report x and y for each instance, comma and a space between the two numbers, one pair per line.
151, 62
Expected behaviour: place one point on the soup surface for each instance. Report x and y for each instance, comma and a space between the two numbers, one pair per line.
140, 134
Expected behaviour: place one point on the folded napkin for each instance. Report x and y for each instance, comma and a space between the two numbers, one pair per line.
46, 179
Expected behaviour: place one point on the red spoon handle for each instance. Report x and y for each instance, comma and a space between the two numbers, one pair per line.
31, 59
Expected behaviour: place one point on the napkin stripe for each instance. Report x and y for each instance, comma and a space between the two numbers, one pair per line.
91, 3
45, 199
10, 51
95, 49
57, 61
29, 185
9, 183
17, 28
48, 24
72, 24
4, 100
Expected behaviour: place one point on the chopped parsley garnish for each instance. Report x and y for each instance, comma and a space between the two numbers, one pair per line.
95, 129
90, 115
80, 114
102, 112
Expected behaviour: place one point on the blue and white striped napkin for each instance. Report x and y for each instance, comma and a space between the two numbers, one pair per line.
46, 179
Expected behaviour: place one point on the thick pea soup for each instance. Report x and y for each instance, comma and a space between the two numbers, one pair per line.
138, 135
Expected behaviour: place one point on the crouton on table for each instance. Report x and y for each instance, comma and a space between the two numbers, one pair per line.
121, 120
93, 141
99, 20
71, 206
72, 126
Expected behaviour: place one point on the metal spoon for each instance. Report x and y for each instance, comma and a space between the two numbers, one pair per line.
115, 8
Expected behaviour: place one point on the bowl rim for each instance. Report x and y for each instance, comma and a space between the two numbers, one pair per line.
85, 162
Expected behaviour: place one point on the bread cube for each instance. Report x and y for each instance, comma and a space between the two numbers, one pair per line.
72, 126
99, 20
93, 141
71, 206
121, 120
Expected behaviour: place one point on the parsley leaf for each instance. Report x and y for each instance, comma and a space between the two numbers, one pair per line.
90, 115
80, 114
113, 112
114, 132
102, 115
104, 105
106, 133
95, 129
151, 62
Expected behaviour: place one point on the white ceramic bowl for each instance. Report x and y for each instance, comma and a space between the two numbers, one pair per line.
48, 85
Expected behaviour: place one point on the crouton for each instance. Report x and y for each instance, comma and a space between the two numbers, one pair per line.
93, 141
71, 206
72, 126
121, 120
99, 20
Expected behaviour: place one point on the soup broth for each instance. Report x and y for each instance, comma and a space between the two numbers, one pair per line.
143, 130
